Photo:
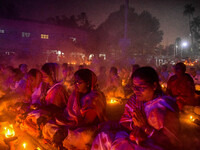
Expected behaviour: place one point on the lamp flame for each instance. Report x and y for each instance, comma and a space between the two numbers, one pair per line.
123, 82
113, 101
192, 118
197, 87
24, 145
9, 131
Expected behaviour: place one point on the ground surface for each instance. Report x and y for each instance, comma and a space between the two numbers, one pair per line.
190, 132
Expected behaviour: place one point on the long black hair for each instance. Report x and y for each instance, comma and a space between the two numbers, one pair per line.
51, 69
150, 76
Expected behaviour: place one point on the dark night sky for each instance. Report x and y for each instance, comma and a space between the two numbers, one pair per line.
169, 12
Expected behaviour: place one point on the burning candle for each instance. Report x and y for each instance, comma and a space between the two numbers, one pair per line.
113, 101
24, 145
192, 118
10, 137
123, 82
163, 85
9, 131
197, 87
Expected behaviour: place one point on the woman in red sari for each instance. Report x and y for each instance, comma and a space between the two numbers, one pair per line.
56, 96
85, 110
181, 86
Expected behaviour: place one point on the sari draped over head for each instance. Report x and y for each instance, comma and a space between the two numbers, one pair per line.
94, 100
75, 127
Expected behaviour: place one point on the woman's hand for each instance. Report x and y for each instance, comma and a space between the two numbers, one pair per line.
137, 135
139, 118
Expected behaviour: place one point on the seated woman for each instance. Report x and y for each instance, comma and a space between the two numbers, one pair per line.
85, 110
35, 87
15, 78
33, 93
114, 84
17, 101
150, 120
55, 100
181, 86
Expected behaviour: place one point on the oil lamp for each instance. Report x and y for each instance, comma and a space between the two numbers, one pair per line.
192, 118
197, 87
24, 145
9, 131
164, 86
123, 82
10, 137
113, 101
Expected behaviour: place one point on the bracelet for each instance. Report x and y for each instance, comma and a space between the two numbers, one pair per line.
147, 132
151, 133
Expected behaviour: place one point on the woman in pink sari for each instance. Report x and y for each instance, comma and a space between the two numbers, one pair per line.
150, 120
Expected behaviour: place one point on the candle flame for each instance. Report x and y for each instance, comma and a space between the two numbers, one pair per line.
24, 145
197, 87
192, 118
113, 101
9, 131
123, 82
190, 63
